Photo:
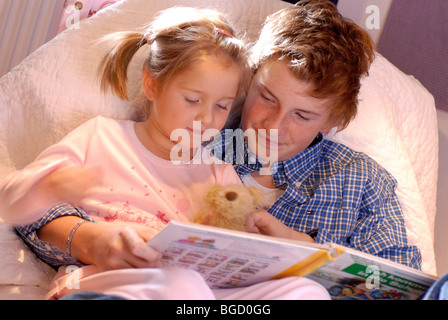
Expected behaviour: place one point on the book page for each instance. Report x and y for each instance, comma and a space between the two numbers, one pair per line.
227, 258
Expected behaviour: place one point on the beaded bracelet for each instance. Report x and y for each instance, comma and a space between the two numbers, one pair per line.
70, 237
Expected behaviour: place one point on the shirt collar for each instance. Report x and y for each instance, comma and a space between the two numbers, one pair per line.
291, 172
296, 169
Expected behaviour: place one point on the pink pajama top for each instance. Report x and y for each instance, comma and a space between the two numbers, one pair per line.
138, 187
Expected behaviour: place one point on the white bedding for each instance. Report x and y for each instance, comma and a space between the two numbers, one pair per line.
54, 90
22, 275
397, 126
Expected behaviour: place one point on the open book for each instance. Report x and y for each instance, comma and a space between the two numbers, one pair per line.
227, 258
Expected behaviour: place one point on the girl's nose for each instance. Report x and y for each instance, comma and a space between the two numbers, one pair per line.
205, 115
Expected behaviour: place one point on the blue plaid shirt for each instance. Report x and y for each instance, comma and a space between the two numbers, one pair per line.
338, 195
44, 250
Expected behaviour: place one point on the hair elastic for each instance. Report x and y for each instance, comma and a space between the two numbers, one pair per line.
224, 32
147, 36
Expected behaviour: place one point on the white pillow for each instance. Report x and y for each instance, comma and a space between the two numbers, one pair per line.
56, 89
397, 126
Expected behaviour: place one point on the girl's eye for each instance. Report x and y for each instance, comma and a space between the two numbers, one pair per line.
191, 101
223, 107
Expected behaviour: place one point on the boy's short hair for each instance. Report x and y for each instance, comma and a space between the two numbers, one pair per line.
322, 48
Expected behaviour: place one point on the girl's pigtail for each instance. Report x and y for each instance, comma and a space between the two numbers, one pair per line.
113, 67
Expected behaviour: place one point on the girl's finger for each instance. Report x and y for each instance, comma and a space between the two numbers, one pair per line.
138, 247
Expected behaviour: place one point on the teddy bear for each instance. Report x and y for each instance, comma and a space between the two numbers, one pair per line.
228, 206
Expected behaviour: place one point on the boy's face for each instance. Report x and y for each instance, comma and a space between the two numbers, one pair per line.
278, 100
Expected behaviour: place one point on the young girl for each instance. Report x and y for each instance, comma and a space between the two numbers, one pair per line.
121, 173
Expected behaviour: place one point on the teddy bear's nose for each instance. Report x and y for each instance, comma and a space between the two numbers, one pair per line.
231, 196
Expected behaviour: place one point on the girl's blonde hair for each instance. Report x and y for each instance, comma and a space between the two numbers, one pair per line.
321, 48
176, 36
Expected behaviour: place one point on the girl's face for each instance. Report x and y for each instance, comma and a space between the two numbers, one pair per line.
277, 100
195, 100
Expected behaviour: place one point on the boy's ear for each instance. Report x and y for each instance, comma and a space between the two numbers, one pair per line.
149, 85
331, 123
327, 129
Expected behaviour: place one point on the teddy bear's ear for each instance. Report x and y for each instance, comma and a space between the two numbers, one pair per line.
257, 196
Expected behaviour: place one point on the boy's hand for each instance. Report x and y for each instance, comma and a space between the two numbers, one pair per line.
261, 221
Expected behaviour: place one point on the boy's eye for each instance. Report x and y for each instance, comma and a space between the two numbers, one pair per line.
302, 117
266, 98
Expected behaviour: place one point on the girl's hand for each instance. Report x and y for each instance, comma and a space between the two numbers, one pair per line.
117, 247
261, 221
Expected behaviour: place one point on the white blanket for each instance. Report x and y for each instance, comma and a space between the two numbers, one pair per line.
55, 89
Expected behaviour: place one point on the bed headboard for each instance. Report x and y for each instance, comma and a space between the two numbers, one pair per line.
415, 39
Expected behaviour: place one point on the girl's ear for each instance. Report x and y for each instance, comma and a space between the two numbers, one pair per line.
149, 85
